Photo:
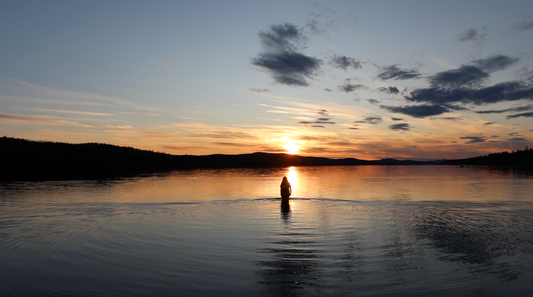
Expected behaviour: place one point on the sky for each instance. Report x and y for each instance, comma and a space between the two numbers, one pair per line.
361, 79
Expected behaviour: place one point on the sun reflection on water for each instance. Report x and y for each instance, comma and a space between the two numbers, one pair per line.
293, 176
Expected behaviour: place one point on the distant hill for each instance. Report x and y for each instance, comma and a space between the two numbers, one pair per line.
516, 158
25, 159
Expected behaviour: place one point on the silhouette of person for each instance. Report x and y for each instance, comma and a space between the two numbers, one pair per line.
285, 189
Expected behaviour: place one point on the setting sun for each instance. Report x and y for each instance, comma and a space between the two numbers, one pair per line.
292, 148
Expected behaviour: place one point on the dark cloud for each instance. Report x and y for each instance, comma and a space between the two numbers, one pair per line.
347, 87
514, 134
287, 67
281, 37
495, 63
402, 127
323, 112
465, 85
517, 139
389, 90
472, 75
260, 90
397, 119
471, 35
523, 26
373, 101
328, 90
393, 72
474, 139
344, 62
370, 120
505, 91
525, 114
489, 123
514, 109
465, 76
417, 111
281, 57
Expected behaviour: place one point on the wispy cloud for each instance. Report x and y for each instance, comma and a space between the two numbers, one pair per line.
72, 112
319, 122
347, 87
396, 73
25, 119
67, 96
389, 90
344, 62
472, 34
523, 26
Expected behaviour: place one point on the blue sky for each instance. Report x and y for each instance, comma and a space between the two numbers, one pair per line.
363, 79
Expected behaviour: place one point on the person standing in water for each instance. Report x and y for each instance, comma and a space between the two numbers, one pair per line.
285, 189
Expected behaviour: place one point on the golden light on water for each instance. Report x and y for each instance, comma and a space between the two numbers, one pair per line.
292, 176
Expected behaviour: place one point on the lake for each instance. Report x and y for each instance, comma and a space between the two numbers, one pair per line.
350, 230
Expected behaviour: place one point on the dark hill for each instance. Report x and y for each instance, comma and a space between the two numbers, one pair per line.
24, 159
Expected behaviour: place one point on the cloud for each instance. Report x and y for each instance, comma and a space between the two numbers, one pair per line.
402, 127
505, 91
72, 112
39, 120
370, 120
281, 57
474, 139
517, 139
319, 122
373, 101
397, 119
389, 90
465, 76
471, 75
344, 62
125, 127
66, 96
260, 90
523, 26
393, 72
327, 90
471, 35
525, 114
288, 68
447, 118
284, 36
495, 63
347, 87
514, 109
489, 123
465, 85
417, 111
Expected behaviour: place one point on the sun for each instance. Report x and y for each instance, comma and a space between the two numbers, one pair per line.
292, 148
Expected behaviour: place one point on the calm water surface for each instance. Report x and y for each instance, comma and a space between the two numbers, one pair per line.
355, 230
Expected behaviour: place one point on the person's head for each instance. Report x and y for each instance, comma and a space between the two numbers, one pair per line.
285, 179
